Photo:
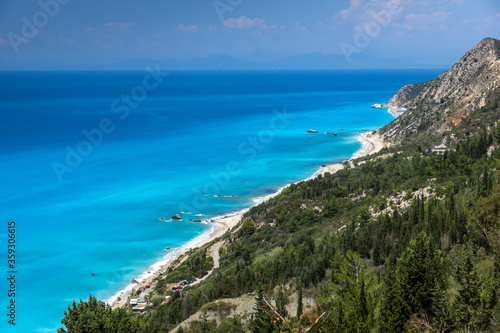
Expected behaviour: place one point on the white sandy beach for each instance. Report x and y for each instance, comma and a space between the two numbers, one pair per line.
393, 109
393, 112
372, 143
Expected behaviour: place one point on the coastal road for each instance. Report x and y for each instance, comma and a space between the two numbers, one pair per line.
215, 255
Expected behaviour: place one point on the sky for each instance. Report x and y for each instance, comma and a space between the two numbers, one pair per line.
91, 33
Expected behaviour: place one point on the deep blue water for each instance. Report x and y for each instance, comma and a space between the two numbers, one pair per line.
86, 206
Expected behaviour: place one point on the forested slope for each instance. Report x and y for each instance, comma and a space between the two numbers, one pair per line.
381, 254
408, 241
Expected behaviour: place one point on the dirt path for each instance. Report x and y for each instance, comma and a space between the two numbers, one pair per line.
215, 255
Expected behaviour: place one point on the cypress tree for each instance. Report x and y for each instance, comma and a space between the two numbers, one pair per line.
485, 189
377, 260
362, 309
468, 298
299, 303
419, 273
421, 209
262, 321
392, 318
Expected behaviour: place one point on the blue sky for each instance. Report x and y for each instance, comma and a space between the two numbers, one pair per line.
55, 33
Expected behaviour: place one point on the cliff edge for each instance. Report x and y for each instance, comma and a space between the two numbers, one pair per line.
439, 105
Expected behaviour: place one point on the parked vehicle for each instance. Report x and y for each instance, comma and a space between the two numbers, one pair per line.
185, 283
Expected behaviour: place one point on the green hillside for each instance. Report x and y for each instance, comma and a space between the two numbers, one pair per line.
406, 241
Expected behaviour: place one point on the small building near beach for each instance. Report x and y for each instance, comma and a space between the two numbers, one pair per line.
441, 150
138, 309
142, 301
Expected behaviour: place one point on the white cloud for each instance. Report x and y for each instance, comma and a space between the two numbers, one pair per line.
89, 29
438, 16
160, 35
119, 25
298, 27
355, 4
403, 26
363, 11
399, 34
246, 23
3, 42
435, 21
65, 40
191, 29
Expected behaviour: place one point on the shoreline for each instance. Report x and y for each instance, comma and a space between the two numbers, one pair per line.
393, 110
371, 143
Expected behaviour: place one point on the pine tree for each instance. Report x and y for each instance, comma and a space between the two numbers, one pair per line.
299, 303
468, 299
421, 209
419, 274
331, 208
281, 302
361, 309
96, 316
392, 318
187, 307
485, 183
262, 321
334, 322
377, 259
248, 227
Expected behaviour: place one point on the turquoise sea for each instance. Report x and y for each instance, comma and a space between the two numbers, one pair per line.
90, 160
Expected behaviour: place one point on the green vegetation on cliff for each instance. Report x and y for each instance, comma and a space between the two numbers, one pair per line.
404, 243
407, 240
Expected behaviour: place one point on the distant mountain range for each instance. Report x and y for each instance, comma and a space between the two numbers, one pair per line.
304, 61
251, 61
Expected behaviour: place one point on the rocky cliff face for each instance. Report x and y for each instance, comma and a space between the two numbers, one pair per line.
438, 105
406, 94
